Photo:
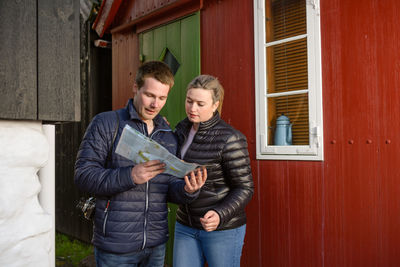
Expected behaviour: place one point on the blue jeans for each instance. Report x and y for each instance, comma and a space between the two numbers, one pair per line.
149, 257
194, 247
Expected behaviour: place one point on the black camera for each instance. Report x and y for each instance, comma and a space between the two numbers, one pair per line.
87, 206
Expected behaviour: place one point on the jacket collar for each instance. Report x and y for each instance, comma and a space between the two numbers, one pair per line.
159, 121
203, 126
210, 123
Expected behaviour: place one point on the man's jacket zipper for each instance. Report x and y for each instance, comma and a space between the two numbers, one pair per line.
105, 217
146, 211
145, 215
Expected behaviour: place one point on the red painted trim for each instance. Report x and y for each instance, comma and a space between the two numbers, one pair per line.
160, 16
102, 43
99, 15
107, 12
166, 17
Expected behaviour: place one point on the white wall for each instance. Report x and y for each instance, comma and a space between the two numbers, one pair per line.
25, 227
47, 197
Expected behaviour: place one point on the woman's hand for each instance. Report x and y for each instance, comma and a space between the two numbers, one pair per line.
196, 180
210, 221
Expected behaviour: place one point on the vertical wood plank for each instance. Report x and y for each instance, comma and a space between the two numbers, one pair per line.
174, 109
58, 60
227, 41
159, 42
388, 128
124, 66
124, 63
190, 47
147, 46
134, 60
117, 69
352, 226
18, 71
190, 53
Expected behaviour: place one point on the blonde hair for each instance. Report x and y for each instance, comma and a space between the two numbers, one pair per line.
211, 83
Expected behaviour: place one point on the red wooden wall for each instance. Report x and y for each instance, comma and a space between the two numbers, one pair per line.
360, 56
125, 61
227, 52
344, 211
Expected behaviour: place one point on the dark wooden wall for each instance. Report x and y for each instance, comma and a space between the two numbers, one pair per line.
18, 64
58, 60
39, 66
48, 72
96, 97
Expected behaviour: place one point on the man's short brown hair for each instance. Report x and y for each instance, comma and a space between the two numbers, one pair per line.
157, 70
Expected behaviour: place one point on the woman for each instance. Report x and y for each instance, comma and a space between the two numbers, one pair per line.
212, 228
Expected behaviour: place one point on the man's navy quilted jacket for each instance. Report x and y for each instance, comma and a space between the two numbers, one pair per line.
136, 215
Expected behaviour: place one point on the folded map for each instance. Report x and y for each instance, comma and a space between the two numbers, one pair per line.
139, 148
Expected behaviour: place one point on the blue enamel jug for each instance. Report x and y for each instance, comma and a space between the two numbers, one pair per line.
283, 131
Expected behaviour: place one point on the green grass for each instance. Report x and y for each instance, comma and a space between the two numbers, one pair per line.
70, 251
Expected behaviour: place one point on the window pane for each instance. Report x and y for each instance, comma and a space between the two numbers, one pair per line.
287, 66
295, 107
285, 18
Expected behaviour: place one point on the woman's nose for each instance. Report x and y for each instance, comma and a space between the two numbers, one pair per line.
192, 107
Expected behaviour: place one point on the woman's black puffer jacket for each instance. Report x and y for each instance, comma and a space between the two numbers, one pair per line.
229, 186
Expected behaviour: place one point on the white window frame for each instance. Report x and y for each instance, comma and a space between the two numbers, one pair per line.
315, 150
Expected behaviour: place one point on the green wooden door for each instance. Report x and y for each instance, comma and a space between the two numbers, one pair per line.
179, 41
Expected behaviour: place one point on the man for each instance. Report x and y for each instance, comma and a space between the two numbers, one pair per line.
130, 224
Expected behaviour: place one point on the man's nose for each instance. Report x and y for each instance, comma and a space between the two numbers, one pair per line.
155, 103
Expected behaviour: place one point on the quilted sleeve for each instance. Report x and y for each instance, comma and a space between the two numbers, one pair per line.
91, 174
237, 173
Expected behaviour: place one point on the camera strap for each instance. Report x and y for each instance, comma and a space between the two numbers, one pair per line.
109, 155
88, 206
